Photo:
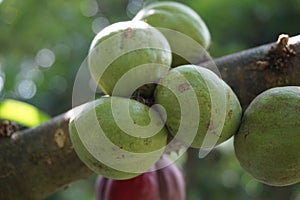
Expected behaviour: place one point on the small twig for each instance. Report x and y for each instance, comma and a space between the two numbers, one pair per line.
282, 42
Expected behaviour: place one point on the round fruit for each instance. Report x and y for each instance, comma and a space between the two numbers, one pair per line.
201, 108
186, 32
118, 138
127, 55
163, 184
267, 144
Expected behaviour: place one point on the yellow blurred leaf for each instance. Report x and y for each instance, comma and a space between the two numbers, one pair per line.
22, 113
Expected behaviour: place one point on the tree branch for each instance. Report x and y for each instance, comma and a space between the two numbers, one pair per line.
36, 162
252, 71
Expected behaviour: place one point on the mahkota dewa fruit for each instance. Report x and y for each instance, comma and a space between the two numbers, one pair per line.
117, 137
157, 184
200, 108
267, 144
127, 55
185, 30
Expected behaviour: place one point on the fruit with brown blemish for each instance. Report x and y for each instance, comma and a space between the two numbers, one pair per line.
130, 53
267, 144
199, 106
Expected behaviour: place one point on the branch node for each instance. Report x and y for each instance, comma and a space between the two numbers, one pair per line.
279, 56
282, 42
7, 128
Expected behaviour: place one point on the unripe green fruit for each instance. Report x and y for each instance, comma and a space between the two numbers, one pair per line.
201, 103
133, 53
185, 30
112, 146
267, 144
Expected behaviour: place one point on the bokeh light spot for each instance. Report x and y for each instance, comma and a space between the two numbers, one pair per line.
99, 23
2, 81
26, 89
58, 84
9, 14
230, 178
133, 7
45, 58
89, 8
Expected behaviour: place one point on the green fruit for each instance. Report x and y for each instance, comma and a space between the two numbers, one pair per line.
186, 32
199, 102
267, 144
131, 54
113, 145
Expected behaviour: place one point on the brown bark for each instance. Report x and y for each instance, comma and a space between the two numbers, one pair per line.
252, 71
35, 162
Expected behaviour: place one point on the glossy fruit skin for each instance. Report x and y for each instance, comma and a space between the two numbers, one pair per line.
219, 108
88, 127
125, 46
179, 18
267, 144
163, 184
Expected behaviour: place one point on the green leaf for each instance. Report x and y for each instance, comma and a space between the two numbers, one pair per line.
22, 113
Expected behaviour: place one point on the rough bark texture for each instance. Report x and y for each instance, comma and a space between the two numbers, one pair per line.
252, 71
36, 162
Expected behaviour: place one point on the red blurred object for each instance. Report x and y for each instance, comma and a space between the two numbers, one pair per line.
162, 184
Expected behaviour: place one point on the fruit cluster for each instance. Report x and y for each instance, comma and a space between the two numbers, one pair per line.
155, 93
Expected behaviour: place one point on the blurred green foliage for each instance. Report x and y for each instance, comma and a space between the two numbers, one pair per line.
219, 176
15, 111
43, 43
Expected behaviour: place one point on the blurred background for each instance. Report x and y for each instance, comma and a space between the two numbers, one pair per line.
43, 43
